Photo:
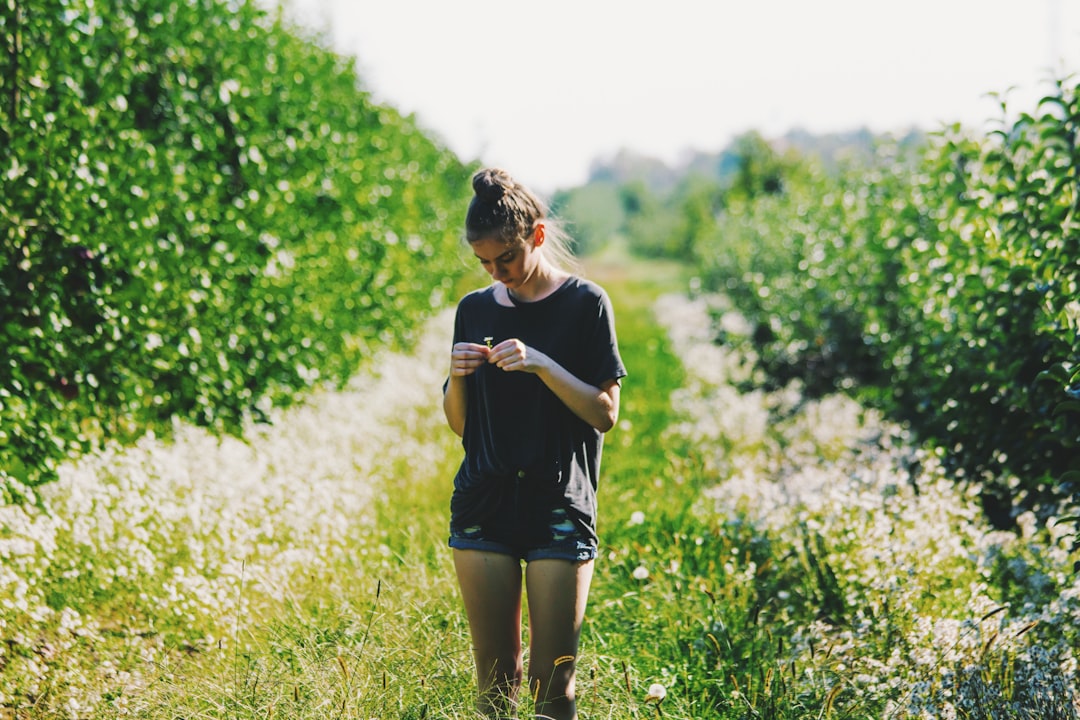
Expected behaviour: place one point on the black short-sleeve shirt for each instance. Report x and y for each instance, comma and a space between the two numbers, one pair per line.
515, 427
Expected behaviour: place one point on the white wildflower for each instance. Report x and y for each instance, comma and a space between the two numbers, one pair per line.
227, 89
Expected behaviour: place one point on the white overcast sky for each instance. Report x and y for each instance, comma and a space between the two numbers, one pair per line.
543, 88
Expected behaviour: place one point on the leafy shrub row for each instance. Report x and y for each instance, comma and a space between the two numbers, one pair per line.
201, 212
945, 283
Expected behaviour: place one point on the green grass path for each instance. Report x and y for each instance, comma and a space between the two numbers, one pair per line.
635, 455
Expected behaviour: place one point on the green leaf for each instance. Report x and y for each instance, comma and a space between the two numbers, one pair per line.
1056, 374
1069, 406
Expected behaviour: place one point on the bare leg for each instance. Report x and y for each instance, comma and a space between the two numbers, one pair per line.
491, 590
558, 591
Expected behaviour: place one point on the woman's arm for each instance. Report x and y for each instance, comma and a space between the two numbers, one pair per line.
598, 406
454, 404
464, 359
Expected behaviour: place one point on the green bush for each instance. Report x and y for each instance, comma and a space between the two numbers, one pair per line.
942, 284
202, 213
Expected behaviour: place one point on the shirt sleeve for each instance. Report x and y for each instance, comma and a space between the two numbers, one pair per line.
603, 347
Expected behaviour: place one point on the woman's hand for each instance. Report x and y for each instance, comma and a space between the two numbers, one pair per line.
515, 356
465, 357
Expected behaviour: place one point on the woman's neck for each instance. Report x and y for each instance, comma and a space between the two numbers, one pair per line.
545, 281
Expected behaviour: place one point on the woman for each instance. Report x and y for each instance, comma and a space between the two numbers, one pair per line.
534, 383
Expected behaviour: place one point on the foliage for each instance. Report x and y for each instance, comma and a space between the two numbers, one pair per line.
205, 555
202, 214
594, 212
772, 560
662, 217
833, 569
942, 283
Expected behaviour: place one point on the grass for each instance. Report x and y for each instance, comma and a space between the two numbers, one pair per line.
762, 557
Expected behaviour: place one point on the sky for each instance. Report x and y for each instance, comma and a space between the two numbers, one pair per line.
545, 89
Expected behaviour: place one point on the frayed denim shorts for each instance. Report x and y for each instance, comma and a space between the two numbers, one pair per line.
522, 523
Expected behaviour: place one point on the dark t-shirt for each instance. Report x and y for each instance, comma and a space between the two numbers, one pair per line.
516, 429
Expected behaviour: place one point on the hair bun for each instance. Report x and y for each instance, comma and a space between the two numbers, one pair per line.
492, 184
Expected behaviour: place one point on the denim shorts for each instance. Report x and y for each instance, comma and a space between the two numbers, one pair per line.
523, 524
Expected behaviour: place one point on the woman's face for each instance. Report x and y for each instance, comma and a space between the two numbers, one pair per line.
513, 265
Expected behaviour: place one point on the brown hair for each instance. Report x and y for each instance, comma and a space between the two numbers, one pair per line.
508, 211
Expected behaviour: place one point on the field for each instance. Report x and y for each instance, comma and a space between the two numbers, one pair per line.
763, 555
844, 482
